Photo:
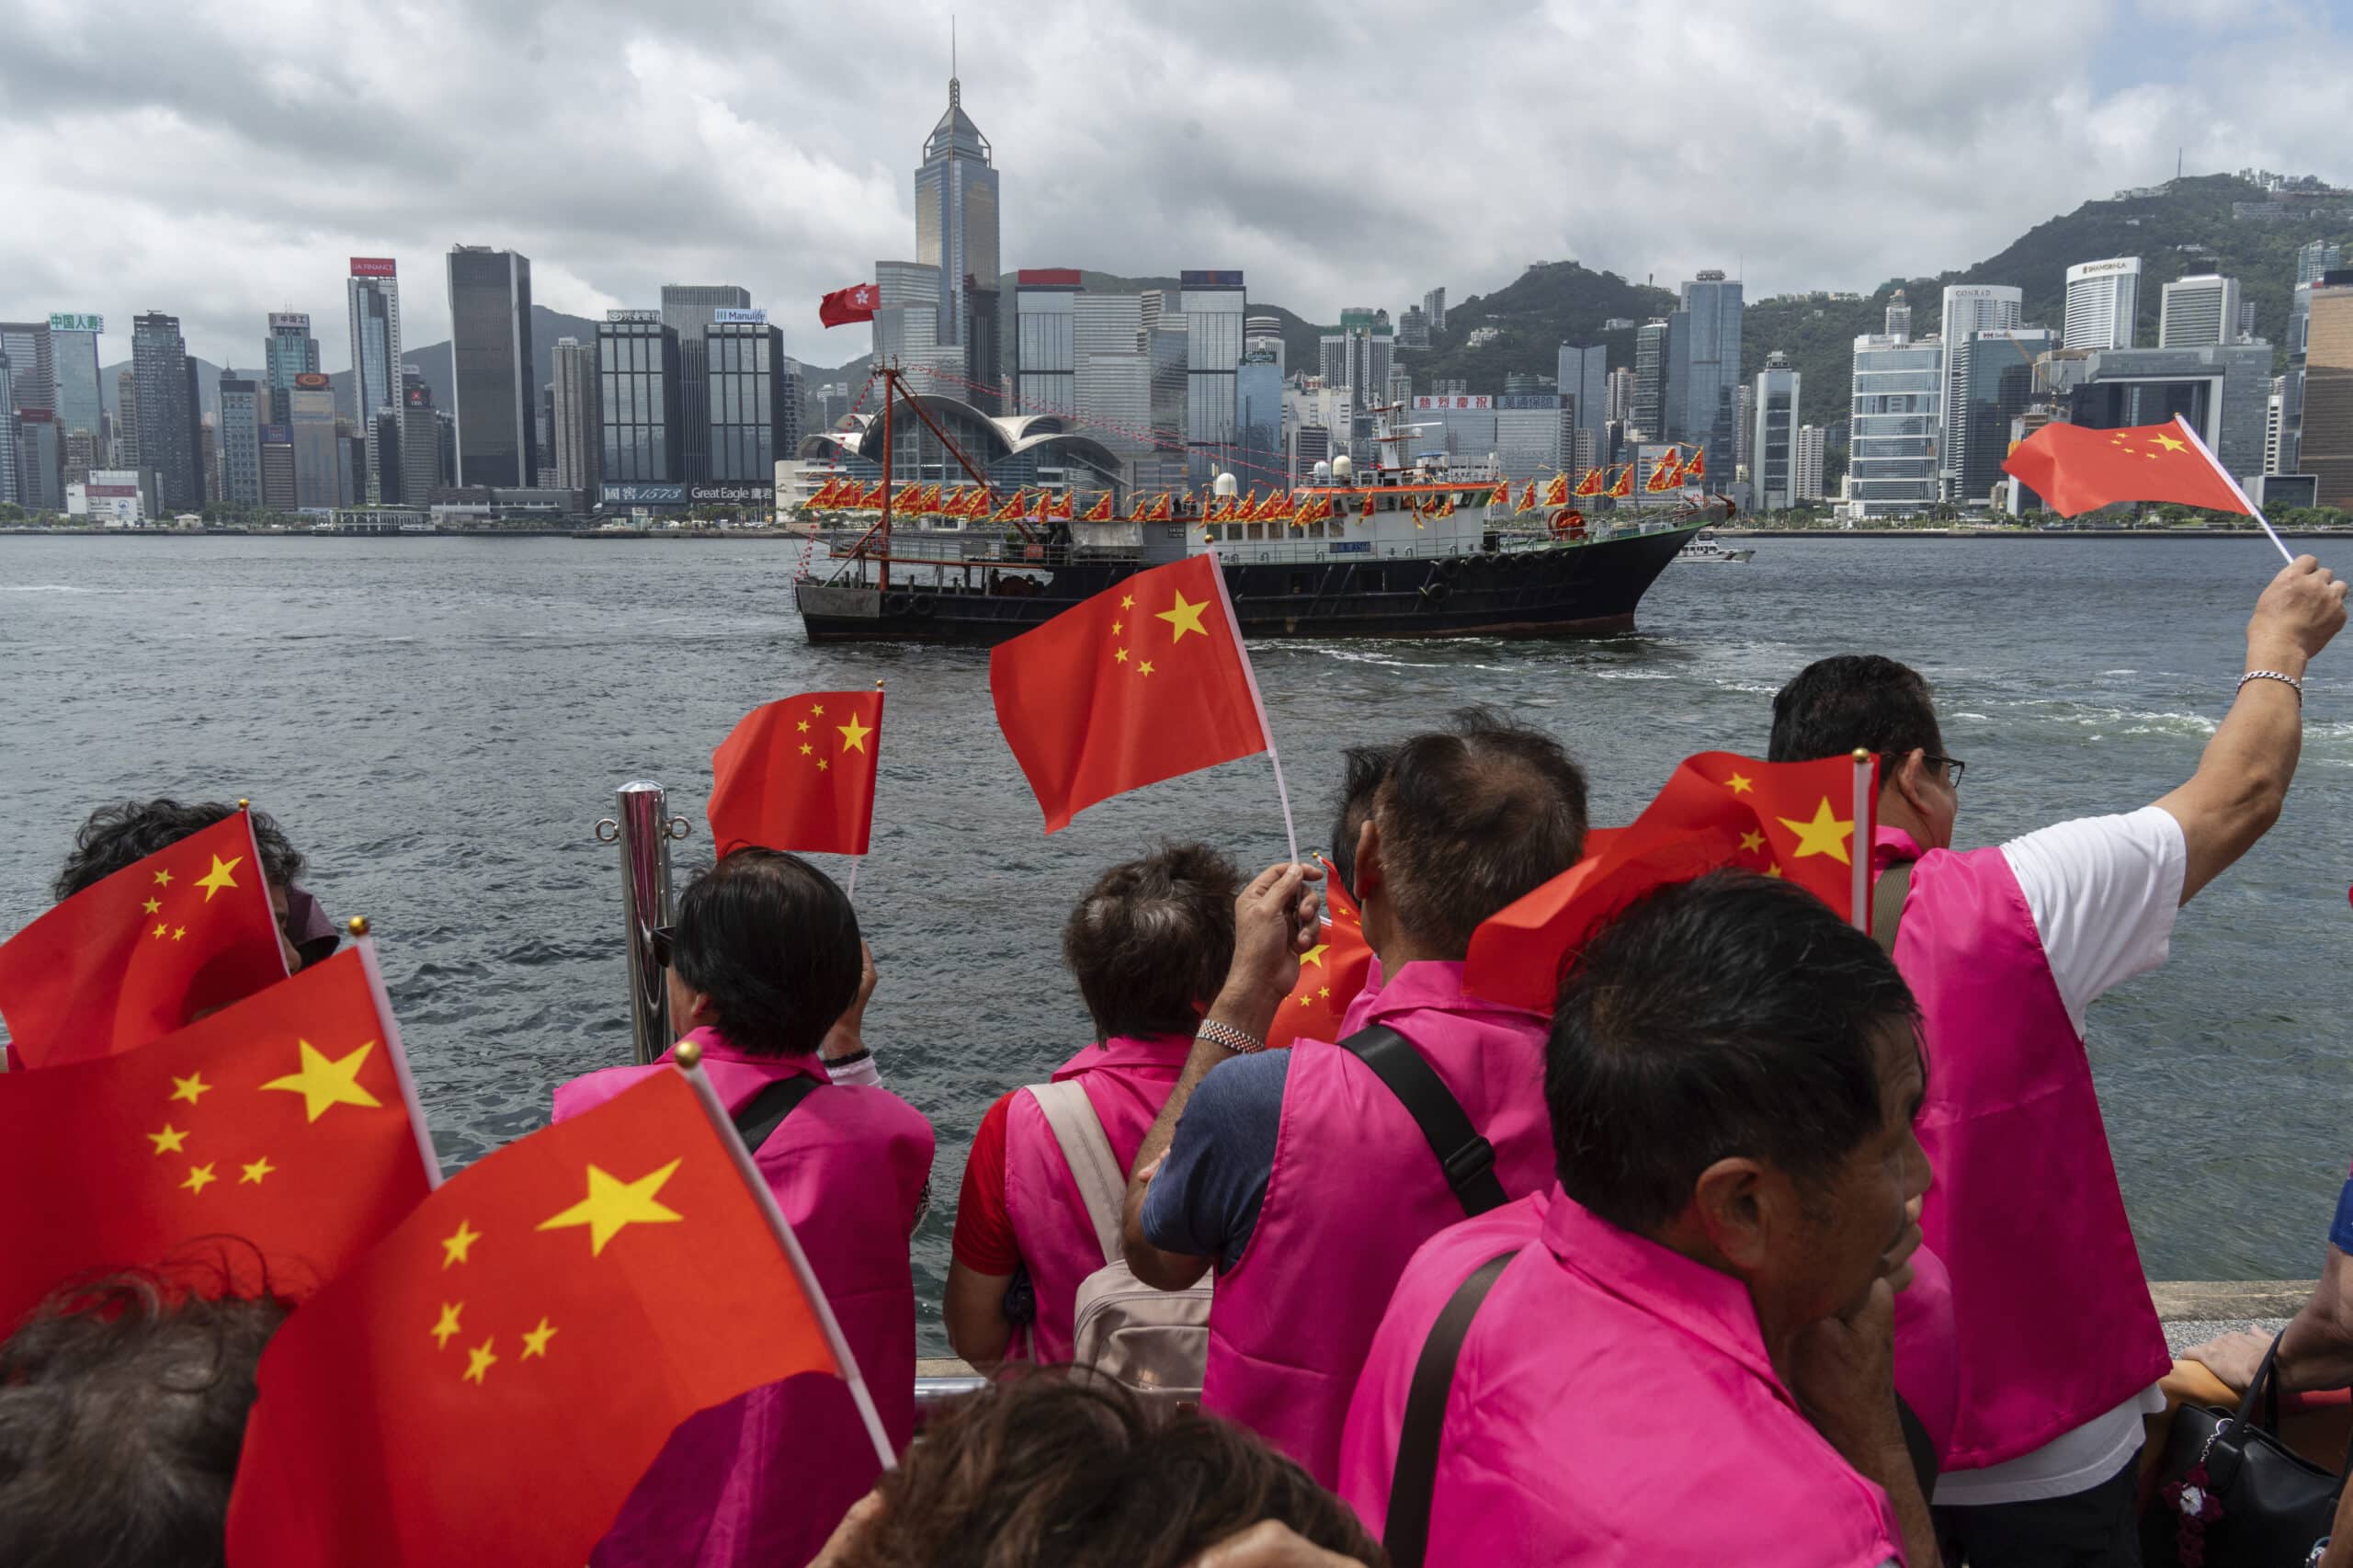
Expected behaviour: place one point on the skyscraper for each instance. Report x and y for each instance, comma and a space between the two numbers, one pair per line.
687, 310
2317, 258
239, 431
2103, 301
168, 431
289, 351
1357, 355
1649, 413
1258, 419
32, 364
490, 351
1045, 344
1968, 307
638, 401
374, 296
1989, 382
2196, 311
126, 422
956, 214
1891, 440
579, 426
1584, 376
755, 400
1704, 368
318, 450
1899, 316
73, 342
1215, 304
421, 467
1772, 449
1434, 307
2328, 390
1810, 454
1263, 334
279, 490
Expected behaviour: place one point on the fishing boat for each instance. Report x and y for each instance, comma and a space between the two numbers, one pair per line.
1419, 550
1705, 547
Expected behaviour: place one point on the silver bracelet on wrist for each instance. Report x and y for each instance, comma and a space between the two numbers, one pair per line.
2291, 681
1227, 1036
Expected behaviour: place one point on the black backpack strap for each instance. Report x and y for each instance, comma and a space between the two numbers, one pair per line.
1887, 894
765, 1111
1406, 1531
1467, 1158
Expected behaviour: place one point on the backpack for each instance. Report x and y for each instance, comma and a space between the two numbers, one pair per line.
1154, 1343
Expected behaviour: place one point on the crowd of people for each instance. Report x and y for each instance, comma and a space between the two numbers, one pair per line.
1772, 1242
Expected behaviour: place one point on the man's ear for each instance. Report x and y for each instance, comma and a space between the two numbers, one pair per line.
1369, 877
1910, 782
1730, 1204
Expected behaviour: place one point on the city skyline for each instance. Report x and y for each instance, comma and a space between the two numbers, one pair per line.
676, 175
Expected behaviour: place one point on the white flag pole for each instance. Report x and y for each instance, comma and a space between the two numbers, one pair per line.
849, 888
2251, 509
1860, 859
1266, 731
689, 1060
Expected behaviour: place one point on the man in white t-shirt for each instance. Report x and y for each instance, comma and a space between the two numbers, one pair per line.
2006, 948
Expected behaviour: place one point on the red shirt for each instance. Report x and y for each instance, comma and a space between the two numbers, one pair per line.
984, 1241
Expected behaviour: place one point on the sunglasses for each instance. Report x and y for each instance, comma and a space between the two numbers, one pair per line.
662, 936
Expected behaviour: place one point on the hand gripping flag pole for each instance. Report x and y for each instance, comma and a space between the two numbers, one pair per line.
1233, 624
689, 1058
2190, 433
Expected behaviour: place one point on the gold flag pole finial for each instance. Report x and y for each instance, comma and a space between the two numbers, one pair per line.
356, 926
1862, 755
688, 1053
243, 802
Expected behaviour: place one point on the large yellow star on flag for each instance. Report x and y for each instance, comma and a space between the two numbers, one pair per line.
854, 734
1826, 835
2171, 445
321, 1083
613, 1204
1185, 618
218, 878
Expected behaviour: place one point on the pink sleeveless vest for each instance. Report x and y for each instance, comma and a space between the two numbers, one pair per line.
1354, 1190
2052, 1313
1126, 1079
1614, 1403
763, 1479
1927, 1360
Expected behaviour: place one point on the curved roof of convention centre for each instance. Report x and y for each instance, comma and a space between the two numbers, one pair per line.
1000, 436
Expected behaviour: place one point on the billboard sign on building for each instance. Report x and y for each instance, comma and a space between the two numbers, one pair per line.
1217, 279
289, 321
1440, 404
76, 323
644, 494
1528, 400
634, 315
1047, 277
373, 266
278, 435
312, 381
728, 494
731, 317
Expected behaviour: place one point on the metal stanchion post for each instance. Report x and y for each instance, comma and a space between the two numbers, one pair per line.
644, 827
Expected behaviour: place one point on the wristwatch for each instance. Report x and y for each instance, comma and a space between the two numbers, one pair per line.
1229, 1037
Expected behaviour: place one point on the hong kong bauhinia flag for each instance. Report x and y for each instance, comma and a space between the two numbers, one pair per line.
2077, 469
1144, 681
855, 304
799, 774
187, 930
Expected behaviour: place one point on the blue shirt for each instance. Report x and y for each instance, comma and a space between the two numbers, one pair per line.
1205, 1198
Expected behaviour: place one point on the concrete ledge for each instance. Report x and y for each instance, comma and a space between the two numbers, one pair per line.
2226, 1299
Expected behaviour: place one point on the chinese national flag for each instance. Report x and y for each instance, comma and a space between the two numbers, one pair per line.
1591, 483
185, 931
491, 1382
1556, 491
1101, 511
1698, 466
1143, 682
852, 305
1787, 819
278, 1130
1625, 485
1330, 974
799, 774
2077, 468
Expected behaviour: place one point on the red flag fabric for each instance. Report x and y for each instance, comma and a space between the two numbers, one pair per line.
1591, 483
280, 1127
1144, 681
129, 960
1667, 474
1330, 974
1625, 485
799, 774
1101, 511
1556, 491
857, 302
2077, 468
489, 1382
1698, 466
1785, 819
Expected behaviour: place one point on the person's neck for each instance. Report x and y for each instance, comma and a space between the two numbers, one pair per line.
1896, 812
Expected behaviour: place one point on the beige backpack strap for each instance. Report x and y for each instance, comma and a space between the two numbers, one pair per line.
1887, 903
1086, 1149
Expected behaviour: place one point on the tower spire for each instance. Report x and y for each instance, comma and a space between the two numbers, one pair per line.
953, 95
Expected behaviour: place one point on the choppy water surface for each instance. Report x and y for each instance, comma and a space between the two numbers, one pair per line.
439, 722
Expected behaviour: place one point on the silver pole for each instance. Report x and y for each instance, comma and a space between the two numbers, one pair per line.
644, 827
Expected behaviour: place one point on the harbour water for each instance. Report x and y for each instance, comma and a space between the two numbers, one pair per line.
438, 723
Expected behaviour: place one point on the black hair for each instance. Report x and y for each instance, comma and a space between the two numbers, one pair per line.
1471, 819
123, 1410
117, 835
1854, 700
1151, 941
774, 943
1735, 1015
1363, 770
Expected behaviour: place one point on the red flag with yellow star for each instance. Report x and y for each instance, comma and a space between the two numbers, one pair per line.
1785, 819
799, 774
187, 930
280, 1130
2077, 468
492, 1380
1330, 974
1144, 681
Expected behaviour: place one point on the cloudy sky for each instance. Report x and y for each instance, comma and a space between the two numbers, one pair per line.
219, 159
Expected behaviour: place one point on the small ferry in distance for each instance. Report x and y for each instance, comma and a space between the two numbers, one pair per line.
1418, 551
1706, 547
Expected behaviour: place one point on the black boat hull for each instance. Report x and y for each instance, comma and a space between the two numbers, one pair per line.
1564, 590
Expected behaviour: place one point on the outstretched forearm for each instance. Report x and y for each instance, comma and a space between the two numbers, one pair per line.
2242, 781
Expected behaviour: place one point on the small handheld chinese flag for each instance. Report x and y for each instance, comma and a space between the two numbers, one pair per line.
799, 774
2077, 468
1330, 973
1143, 682
857, 302
284, 1122
1717, 810
187, 930
489, 1382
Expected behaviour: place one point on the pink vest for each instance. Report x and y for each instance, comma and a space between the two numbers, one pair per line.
1927, 1358
2051, 1312
1354, 1190
765, 1478
1614, 1403
1127, 1080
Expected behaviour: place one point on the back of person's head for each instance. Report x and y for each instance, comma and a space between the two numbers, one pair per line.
1071, 1471
1732, 1016
1472, 818
1835, 705
1151, 941
773, 942
115, 835
122, 1409
1363, 768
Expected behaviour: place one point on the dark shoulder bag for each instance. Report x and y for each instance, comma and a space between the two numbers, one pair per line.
2229, 1492
765, 1111
1467, 1158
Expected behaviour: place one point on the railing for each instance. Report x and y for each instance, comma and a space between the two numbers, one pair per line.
642, 825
